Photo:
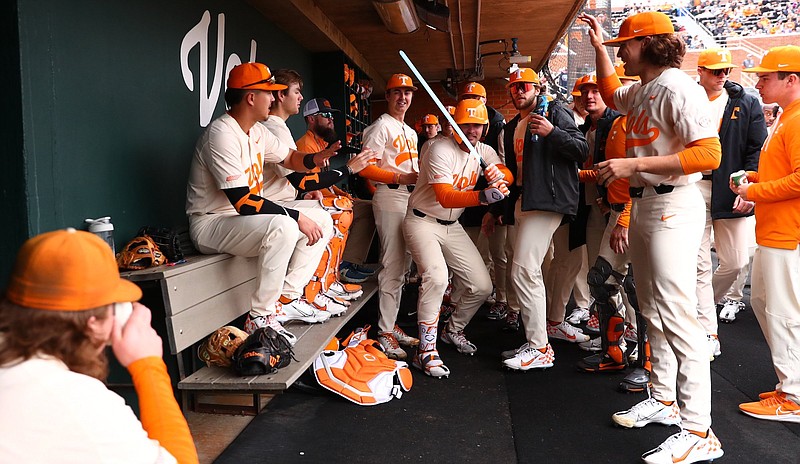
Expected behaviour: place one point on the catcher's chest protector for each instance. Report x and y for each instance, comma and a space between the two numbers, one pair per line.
362, 374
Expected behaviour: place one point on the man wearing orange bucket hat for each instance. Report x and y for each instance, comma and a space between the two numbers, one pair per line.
670, 140
65, 302
774, 188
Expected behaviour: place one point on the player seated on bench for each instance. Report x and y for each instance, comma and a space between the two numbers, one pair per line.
281, 185
229, 214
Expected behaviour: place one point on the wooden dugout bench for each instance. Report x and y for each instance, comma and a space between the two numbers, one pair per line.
210, 291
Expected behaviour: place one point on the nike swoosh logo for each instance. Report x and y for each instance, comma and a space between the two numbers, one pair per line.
682, 457
781, 412
636, 31
782, 65
664, 218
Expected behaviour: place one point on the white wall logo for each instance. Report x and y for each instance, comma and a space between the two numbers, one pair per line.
198, 36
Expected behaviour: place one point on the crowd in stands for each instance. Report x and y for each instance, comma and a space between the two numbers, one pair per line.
725, 18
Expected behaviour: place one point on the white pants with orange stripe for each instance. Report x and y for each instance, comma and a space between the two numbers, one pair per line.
286, 262
389, 207
533, 232
436, 248
776, 303
665, 235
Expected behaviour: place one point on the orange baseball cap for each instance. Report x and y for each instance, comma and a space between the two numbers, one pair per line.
68, 270
430, 119
779, 59
451, 110
473, 88
715, 58
523, 75
642, 25
619, 68
471, 111
585, 80
252, 76
400, 81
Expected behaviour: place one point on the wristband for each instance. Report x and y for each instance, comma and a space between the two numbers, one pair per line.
308, 161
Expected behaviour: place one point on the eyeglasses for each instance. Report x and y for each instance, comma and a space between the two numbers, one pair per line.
718, 72
523, 87
326, 115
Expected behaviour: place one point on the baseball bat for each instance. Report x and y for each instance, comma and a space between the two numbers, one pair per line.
444, 111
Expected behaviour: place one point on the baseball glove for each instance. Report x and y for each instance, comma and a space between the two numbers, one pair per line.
140, 253
167, 240
220, 346
264, 352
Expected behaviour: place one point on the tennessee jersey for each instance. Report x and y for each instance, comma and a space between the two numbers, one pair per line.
276, 185
664, 116
444, 162
395, 144
226, 157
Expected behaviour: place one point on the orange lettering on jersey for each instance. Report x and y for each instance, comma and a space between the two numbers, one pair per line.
406, 150
640, 128
519, 144
464, 182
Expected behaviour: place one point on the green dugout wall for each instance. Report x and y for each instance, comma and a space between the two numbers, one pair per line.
103, 102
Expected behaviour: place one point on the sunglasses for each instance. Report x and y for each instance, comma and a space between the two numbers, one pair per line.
524, 87
718, 72
271, 80
326, 115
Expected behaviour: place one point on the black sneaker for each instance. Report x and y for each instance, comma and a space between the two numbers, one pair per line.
512, 322
498, 311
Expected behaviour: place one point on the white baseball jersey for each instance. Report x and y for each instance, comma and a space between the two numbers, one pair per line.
664, 116
446, 163
226, 157
276, 186
395, 144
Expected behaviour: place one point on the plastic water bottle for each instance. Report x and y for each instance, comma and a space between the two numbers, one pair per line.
103, 228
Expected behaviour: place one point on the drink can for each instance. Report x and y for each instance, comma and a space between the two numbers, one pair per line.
738, 178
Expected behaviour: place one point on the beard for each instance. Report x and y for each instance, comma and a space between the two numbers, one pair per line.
526, 104
327, 134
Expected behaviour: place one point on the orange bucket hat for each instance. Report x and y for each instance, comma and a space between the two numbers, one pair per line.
68, 270
252, 76
642, 25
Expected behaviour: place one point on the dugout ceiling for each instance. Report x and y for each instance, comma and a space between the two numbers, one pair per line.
355, 27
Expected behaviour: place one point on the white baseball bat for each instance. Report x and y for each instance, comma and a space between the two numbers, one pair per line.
444, 111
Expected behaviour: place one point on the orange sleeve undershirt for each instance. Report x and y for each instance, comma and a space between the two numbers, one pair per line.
507, 176
161, 417
608, 85
376, 174
701, 155
624, 218
752, 176
449, 197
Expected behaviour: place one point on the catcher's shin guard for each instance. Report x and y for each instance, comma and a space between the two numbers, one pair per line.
341, 211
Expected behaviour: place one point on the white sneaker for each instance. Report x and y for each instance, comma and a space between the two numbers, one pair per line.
649, 411
566, 331
458, 339
714, 348
578, 315
300, 310
685, 447
325, 303
253, 323
403, 338
337, 290
531, 358
511, 353
593, 345
729, 310
431, 364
